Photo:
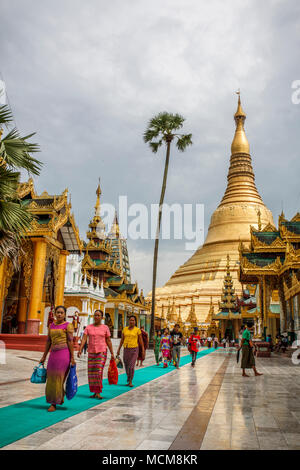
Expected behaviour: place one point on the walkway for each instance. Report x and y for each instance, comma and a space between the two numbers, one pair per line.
209, 407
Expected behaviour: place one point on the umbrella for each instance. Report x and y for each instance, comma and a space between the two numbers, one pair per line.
238, 355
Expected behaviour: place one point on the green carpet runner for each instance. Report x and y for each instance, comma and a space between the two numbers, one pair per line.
25, 418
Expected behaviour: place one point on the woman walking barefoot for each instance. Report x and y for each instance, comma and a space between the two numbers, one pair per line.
165, 346
99, 341
60, 341
141, 355
248, 361
132, 340
156, 346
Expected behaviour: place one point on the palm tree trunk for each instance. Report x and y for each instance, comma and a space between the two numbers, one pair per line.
162, 196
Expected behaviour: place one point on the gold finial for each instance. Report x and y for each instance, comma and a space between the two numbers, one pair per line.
97, 206
240, 143
239, 112
259, 220
228, 259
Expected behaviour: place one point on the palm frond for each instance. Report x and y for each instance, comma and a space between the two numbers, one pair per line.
155, 145
183, 142
6, 116
151, 133
14, 218
15, 151
10, 247
8, 184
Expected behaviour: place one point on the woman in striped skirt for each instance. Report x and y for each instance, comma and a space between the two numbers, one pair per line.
99, 341
131, 340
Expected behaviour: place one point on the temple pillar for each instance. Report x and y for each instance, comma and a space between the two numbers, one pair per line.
59, 298
236, 329
261, 306
22, 309
116, 322
296, 316
223, 328
38, 273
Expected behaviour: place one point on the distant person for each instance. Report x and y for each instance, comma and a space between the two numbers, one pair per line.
194, 342
177, 340
156, 346
248, 361
142, 354
165, 346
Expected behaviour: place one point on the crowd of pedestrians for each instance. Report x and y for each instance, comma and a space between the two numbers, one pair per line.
96, 341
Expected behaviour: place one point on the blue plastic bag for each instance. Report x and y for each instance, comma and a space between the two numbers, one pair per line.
72, 383
39, 375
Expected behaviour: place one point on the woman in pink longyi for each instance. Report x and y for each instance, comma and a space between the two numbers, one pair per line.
99, 341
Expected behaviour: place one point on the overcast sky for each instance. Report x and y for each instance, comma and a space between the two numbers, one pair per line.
87, 77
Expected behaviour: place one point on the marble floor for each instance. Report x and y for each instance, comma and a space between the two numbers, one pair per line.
246, 413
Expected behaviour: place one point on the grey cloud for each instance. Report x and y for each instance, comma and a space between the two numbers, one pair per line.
88, 76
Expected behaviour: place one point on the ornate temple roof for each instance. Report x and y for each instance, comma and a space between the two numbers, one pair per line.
53, 217
271, 251
101, 262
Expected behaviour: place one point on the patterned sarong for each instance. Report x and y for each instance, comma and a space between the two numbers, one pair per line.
130, 356
57, 371
96, 363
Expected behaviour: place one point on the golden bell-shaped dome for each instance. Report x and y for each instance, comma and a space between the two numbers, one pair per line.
240, 142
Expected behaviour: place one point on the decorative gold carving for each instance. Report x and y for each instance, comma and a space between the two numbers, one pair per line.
258, 245
53, 254
26, 188
26, 259
296, 217
8, 277
272, 267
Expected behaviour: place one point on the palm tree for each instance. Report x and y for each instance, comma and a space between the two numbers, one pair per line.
162, 130
15, 156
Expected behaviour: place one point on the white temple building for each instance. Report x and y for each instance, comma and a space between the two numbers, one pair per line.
79, 296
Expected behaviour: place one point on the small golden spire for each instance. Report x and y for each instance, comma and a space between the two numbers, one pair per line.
240, 143
97, 206
259, 220
227, 265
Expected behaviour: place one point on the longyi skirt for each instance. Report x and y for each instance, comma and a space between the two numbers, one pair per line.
57, 371
248, 360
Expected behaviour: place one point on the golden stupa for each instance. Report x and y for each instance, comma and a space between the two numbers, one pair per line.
201, 277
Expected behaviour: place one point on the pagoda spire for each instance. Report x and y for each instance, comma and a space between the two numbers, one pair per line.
97, 227
97, 206
115, 228
240, 142
228, 298
241, 185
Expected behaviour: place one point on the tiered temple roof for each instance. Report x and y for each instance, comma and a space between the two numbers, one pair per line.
53, 218
100, 263
228, 306
271, 251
